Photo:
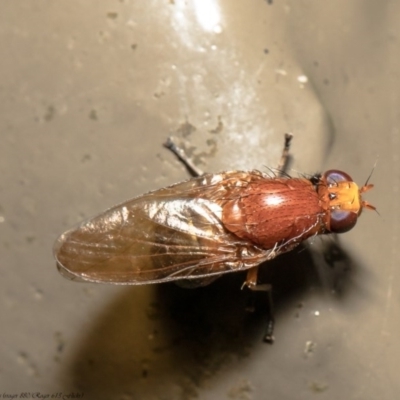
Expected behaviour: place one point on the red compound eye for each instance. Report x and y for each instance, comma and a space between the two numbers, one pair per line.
342, 221
334, 175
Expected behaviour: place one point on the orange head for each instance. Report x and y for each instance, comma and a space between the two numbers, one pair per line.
342, 199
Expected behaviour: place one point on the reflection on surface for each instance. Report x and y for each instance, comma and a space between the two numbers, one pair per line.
206, 12
208, 15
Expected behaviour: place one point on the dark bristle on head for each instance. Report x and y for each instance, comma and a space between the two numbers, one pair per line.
316, 178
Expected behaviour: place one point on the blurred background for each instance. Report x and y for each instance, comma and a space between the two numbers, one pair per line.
89, 91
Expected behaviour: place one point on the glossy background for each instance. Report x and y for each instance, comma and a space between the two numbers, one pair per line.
91, 89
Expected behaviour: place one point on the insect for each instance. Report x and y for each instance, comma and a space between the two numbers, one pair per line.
197, 230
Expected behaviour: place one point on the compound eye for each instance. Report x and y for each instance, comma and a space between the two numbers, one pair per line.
342, 221
334, 176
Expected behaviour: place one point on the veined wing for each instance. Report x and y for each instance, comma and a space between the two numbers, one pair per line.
170, 234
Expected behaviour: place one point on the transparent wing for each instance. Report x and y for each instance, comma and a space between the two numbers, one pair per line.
169, 234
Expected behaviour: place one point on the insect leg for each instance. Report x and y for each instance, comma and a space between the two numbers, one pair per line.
183, 157
251, 280
195, 171
285, 154
252, 273
251, 283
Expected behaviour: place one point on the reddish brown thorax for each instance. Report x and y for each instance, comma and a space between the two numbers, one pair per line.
285, 211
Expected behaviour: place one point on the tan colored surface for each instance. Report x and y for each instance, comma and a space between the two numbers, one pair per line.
90, 90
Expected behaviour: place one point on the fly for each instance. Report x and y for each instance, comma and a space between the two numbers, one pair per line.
213, 224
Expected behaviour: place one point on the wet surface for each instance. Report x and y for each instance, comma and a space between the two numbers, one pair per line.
89, 94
